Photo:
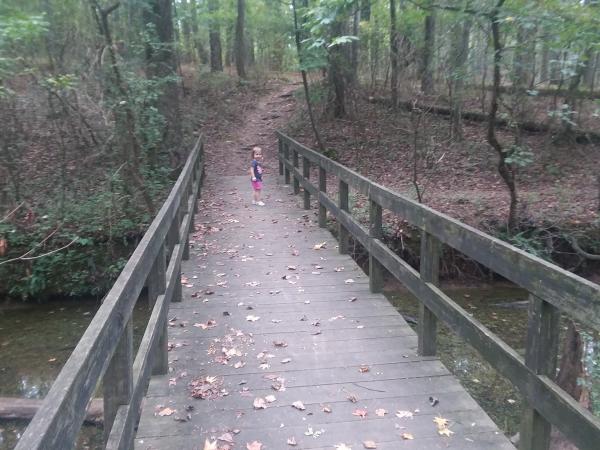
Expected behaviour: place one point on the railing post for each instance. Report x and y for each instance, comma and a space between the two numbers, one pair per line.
296, 165
376, 232
185, 240
172, 240
306, 175
280, 154
323, 189
118, 379
286, 157
343, 204
156, 286
429, 269
540, 356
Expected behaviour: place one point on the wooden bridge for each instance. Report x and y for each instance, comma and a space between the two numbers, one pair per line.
269, 333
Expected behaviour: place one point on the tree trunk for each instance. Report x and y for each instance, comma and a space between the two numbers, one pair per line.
504, 169
337, 77
394, 53
214, 37
240, 47
459, 56
427, 84
355, 47
545, 63
186, 28
298, 37
161, 62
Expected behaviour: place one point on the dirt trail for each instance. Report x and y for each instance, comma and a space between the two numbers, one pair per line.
229, 154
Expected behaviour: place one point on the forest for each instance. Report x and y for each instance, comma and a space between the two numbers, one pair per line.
485, 110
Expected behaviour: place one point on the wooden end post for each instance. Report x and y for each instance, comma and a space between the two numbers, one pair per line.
429, 269
286, 157
540, 355
323, 189
343, 204
376, 232
306, 176
183, 211
296, 164
118, 379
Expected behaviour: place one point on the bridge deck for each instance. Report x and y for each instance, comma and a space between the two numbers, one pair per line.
340, 358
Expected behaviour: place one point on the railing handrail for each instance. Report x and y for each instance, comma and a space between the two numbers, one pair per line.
57, 422
552, 290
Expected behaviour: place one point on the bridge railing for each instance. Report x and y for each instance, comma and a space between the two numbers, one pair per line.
552, 290
105, 351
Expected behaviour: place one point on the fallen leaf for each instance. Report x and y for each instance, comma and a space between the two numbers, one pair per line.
259, 403
286, 360
363, 369
407, 436
270, 398
342, 447
326, 409
349, 281
292, 441
252, 318
320, 246
404, 414
239, 365
380, 412
370, 444
441, 422
445, 432
352, 398
254, 446
280, 344
299, 405
362, 413
166, 412
226, 437
210, 445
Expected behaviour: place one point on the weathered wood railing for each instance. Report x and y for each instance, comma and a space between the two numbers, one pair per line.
105, 352
552, 291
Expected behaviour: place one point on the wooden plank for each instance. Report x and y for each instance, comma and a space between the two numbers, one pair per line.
429, 271
57, 423
578, 424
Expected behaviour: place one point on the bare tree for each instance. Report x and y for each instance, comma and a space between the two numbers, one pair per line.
240, 46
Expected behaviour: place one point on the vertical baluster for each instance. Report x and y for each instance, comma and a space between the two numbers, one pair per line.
156, 286
286, 157
429, 269
280, 155
540, 355
118, 379
376, 232
172, 240
296, 164
323, 190
185, 240
306, 175
343, 204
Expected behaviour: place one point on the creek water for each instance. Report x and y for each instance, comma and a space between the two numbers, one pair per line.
35, 342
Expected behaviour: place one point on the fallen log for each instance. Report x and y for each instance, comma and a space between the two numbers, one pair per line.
580, 136
25, 409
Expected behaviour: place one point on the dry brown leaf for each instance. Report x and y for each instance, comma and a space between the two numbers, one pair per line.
259, 403
326, 409
299, 405
270, 398
404, 414
380, 412
342, 447
407, 436
370, 444
362, 413
441, 422
210, 445
292, 441
226, 437
363, 369
166, 412
320, 246
445, 432
254, 446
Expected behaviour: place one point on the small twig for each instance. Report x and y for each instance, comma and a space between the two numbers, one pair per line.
12, 212
29, 258
25, 255
368, 389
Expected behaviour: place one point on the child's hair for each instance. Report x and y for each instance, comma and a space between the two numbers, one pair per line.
254, 150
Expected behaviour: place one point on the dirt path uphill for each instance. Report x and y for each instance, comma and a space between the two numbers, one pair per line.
228, 153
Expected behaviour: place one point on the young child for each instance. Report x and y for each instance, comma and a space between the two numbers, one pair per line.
256, 172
